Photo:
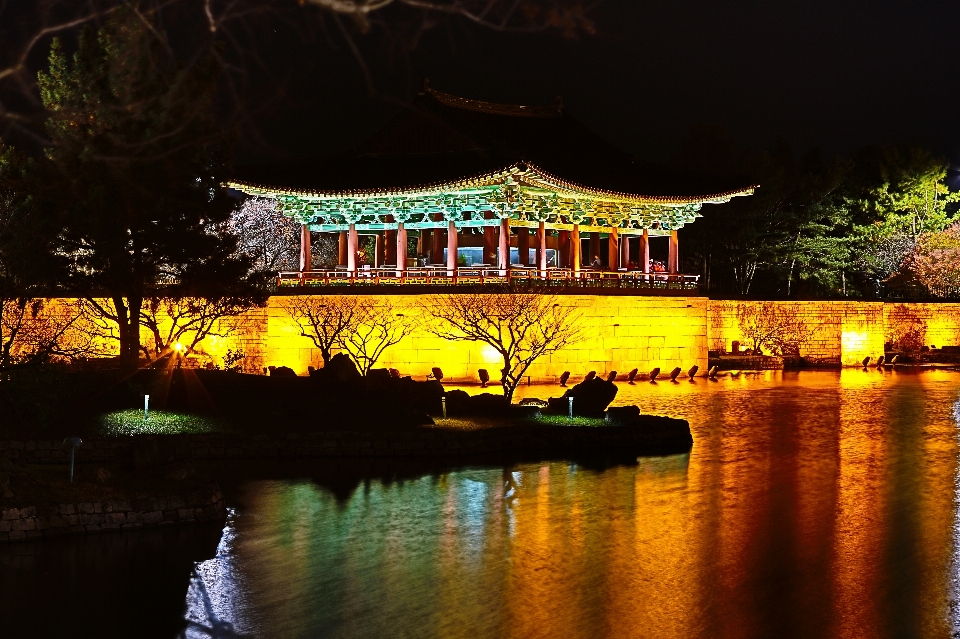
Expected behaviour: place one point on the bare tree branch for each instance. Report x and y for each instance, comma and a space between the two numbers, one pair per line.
522, 327
375, 33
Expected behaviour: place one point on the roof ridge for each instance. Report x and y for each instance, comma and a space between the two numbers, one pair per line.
521, 110
521, 168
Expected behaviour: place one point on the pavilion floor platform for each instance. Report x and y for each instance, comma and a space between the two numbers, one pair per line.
477, 279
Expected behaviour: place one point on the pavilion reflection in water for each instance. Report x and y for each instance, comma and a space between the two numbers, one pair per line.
470, 182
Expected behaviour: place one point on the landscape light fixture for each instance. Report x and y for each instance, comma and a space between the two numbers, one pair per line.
72, 442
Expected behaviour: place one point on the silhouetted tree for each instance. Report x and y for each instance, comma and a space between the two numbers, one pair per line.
325, 319
378, 327
139, 167
522, 327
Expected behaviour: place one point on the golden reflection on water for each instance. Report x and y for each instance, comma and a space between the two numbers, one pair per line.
812, 505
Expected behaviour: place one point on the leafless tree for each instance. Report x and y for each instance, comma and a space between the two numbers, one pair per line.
38, 330
776, 327
325, 319
168, 321
379, 327
522, 327
188, 321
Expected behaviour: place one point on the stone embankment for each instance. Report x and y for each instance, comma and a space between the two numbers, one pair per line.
650, 435
31, 522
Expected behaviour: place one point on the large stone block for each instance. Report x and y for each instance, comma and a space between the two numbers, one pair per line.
115, 518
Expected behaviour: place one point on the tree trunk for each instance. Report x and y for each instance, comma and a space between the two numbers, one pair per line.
793, 263
5, 359
128, 328
508, 386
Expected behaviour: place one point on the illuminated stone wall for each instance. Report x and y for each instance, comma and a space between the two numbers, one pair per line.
939, 323
848, 331
839, 332
619, 333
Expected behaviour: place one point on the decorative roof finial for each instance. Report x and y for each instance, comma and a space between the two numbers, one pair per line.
426, 86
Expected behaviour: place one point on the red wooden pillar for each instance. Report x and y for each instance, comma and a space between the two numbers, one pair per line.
352, 250
503, 260
673, 259
613, 249
342, 249
542, 249
306, 261
576, 262
645, 251
401, 249
451, 249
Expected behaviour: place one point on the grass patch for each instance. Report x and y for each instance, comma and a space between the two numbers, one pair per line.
131, 422
482, 422
562, 420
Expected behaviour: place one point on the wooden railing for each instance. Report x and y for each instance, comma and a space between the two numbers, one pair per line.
488, 275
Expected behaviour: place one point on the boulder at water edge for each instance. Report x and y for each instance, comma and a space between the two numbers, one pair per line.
622, 415
458, 403
590, 398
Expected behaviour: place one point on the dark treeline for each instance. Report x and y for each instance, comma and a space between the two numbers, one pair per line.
816, 227
125, 204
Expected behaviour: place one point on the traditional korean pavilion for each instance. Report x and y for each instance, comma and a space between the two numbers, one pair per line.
533, 192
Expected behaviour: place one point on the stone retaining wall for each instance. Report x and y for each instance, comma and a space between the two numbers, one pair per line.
840, 333
618, 333
843, 333
31, 522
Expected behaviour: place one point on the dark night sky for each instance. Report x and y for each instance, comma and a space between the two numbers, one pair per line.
836, 75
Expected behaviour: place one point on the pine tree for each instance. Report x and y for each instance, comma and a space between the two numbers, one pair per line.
139, 164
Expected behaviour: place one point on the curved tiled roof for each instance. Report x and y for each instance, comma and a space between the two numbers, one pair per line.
528, 172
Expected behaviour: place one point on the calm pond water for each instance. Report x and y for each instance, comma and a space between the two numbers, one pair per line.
812, 505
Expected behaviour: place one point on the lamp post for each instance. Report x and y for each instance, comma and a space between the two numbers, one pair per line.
72, 442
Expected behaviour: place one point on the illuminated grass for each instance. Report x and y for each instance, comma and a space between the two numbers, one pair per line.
562, 420
131, 422
480, 422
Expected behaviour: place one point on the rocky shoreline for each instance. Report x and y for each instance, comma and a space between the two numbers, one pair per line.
151, 457
131, 481
648, 434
